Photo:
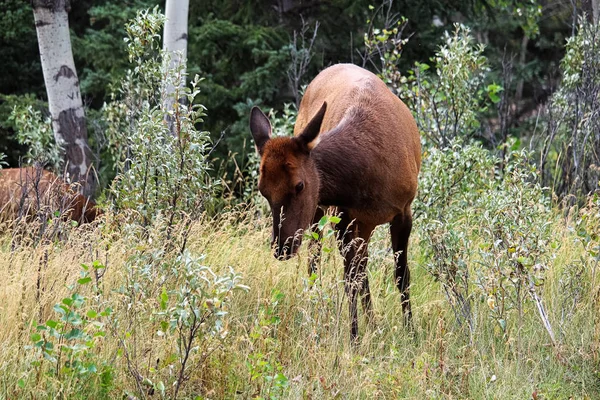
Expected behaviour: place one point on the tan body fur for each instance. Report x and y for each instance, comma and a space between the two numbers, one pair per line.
33, 191
378, 140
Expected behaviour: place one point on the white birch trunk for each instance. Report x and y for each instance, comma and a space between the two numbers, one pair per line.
175, 39
62, 86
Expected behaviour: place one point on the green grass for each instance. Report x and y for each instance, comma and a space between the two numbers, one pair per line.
288, 337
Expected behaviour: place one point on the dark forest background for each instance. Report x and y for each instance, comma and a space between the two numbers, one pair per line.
244, 49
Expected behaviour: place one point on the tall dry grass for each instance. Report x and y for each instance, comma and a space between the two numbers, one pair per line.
288, 335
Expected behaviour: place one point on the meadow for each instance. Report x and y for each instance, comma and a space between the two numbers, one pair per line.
284, 334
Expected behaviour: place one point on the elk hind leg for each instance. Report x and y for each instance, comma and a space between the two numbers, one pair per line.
400, 228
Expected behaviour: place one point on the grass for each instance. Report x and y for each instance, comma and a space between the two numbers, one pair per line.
288, 335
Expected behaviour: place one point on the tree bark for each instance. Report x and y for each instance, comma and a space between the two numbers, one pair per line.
522, 61
591, 8
175, 39
62, 87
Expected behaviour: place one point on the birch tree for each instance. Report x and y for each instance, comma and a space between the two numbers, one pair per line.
175, 39
62, 86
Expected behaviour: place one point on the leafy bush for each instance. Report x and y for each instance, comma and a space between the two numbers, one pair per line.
193, 309
487, 235
570, 153
383, 44
266, 373
451, 182
448, 104
516, 242
181, 300
35, 132
158, 173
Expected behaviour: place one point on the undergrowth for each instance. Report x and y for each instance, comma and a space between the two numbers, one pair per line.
282, 334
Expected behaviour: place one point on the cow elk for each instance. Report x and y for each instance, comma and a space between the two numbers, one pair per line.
356, 147
31, 191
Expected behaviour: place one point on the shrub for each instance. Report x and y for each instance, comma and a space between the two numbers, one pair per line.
183, 303
451, 181
488, 236
158, 173
35, 132
449, 104
570, 151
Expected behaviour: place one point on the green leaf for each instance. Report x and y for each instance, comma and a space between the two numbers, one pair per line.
85, 280
51, 323
502, 324
335, 220
106, 312
74, 334
92, 314
36, 337
21, 383
322, 222
164, 299
74, 318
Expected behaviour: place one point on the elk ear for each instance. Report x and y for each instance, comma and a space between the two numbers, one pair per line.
260, 128
311, 131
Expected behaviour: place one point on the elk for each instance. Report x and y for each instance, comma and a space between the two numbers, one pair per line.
356, 147
31, 191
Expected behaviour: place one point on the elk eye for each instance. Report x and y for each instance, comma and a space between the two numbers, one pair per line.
299, 187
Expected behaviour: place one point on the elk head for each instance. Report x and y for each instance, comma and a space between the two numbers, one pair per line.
288, 179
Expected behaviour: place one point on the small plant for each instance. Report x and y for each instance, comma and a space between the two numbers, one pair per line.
588, 227
516, 242
301, 53
65, 347
319, 236
185, 306
452, 180
383, 44
194, 310
266, 373
488, 236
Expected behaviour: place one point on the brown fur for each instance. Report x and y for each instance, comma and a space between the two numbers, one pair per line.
33, 191
356, 147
